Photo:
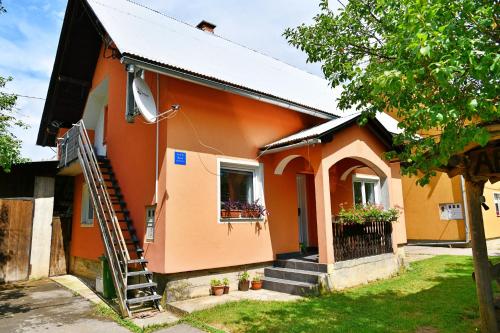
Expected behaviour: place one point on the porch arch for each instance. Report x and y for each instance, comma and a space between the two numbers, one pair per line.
280, 168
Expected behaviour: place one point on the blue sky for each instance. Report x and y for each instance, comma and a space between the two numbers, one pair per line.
29, 33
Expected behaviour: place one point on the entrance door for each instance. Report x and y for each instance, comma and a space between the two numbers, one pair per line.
302, 209
100, 132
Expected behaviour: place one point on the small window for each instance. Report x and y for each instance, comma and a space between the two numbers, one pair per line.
239, 181
87, 208
150, 223
236, 185
366, 191
496, 199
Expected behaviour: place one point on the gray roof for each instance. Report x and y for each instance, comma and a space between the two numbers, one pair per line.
387, 122
147, 34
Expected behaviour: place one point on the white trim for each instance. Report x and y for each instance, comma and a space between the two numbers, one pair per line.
84, 220
258, 185
495, 202
283, 163
348, 171
303, 219
362, 178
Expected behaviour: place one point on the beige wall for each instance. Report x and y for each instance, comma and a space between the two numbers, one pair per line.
491, 220
422, 209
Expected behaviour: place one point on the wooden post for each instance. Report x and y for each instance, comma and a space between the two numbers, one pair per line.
480, 257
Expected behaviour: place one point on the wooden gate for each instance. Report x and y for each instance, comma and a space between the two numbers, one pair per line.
16, 221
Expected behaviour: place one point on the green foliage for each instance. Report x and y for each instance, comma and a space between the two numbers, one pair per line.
433, 295
10, 145
215, 283
225, 281
435, 64
370, 213
244, 276
256, 278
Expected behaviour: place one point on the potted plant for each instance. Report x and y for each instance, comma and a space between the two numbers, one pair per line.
253, 210
230, 209
217, 287
256, 282
243, 281
225, 282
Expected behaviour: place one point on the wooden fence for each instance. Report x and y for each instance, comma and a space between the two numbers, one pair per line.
352, 241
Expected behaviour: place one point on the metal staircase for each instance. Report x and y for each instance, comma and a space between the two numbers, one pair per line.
135, 289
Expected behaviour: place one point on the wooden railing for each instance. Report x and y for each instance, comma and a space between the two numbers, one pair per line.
352, 241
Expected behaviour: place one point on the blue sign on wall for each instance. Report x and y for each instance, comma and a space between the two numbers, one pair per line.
180, 158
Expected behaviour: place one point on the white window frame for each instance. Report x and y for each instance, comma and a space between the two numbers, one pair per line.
362, 178
85, 221
257, 170
496, 202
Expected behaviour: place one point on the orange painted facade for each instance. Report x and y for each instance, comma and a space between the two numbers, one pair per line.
212, 125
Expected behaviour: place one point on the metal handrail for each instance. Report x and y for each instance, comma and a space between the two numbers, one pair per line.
118, 255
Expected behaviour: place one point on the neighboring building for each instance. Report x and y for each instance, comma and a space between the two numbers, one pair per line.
423, 207
35, 221
250, 128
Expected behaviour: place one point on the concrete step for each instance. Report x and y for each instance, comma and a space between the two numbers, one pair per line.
302, 265
293, 274
289, 286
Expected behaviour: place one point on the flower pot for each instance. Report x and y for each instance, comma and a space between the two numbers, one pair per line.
230, 214
252, 214
226, 289
243, 285
217, 290
256, 285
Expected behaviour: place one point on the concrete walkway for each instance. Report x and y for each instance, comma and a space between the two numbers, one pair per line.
414, 252
202, 303
45, 306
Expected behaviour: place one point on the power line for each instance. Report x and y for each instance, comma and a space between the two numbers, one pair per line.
26, 96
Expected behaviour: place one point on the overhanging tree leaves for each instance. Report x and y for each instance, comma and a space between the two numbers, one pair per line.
10, 145
434, 64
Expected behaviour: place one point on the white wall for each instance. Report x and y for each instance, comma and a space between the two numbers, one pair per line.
42, 227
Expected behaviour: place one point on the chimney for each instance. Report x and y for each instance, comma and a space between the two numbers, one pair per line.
206, 26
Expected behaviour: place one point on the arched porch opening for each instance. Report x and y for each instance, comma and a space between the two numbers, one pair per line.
298, 173
356, 181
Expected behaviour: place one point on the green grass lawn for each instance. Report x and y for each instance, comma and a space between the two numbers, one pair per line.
434, 295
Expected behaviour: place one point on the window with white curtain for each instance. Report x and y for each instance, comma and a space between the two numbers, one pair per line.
366, 190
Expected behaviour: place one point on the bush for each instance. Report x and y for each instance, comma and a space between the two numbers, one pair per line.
370, 213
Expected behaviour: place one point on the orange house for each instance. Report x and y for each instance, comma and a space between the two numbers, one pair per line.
235, 126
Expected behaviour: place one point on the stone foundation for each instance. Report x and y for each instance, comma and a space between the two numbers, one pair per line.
85, 268
350, 273
181, 286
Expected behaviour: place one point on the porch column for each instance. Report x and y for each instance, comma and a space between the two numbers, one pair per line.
324, 215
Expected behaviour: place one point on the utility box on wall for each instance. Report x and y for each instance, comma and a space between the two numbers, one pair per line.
450, 211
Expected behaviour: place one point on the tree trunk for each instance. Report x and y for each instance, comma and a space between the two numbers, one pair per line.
480, 256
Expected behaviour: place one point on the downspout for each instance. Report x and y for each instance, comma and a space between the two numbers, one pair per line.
466, 210
157, 135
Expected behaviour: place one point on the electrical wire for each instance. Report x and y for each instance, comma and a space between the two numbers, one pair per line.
25, 96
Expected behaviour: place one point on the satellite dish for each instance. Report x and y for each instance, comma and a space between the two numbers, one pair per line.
144, 100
